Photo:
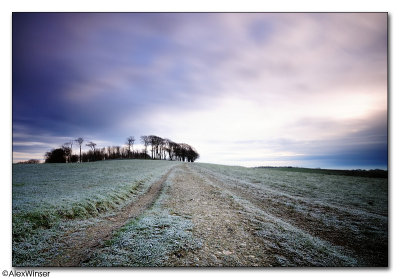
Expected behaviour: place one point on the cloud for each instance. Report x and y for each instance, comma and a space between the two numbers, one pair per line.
211, 80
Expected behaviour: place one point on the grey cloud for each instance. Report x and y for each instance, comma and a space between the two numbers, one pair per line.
96, 73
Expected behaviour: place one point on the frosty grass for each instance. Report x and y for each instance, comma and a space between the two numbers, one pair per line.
50, 198
47, 199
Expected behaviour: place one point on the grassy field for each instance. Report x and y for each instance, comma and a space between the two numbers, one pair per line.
297, 218
347, 211
47, 199
376, 173
353, 192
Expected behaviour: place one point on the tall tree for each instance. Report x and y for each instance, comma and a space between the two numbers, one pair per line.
68, 147
153, 142
109, 152
192, 154
145, 141
169, 147
80, 141
129, 141
67, 150
91, 156
159, 143
117, 150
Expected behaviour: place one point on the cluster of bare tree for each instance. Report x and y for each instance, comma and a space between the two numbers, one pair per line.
161, 149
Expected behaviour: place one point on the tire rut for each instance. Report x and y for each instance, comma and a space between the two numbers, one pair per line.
228, 237
81, 246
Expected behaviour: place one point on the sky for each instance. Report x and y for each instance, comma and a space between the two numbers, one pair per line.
250, 89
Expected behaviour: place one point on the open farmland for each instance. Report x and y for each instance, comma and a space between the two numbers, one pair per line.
161, 213
50, 199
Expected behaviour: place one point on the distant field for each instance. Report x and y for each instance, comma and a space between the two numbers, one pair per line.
204, 215
377, 173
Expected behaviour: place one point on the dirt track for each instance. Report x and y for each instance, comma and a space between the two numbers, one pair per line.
81, 246
237, 226
228, 236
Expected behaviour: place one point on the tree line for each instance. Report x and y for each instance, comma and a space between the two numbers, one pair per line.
158, 148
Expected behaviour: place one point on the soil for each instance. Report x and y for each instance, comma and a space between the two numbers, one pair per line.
227, 236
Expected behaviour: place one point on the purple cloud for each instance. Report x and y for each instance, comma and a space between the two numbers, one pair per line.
201, 78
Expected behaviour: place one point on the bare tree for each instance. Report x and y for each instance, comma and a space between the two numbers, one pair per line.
158, 144
91, 155
129, 141
92, 145
67, 147
170, 148
145, 140
153, 142
160, 149
109, 152
164, 147
117, 152
191, 154
80, 141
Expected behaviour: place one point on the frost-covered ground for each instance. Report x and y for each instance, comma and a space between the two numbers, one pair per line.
206, 215
48, 199
150, 239
349, 213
